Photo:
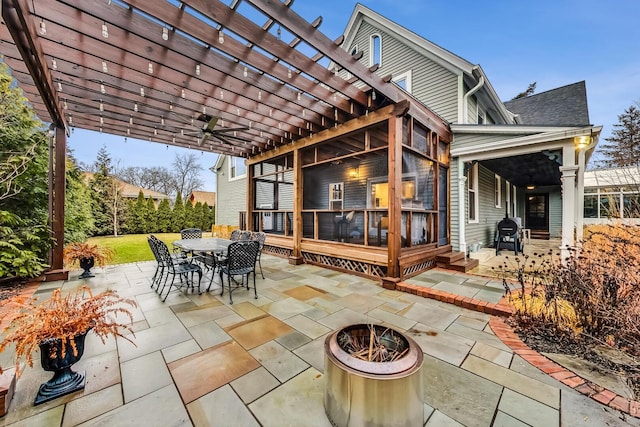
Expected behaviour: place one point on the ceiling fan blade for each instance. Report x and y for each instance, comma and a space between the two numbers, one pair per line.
203, 138
210, 125
226, 135
230, 129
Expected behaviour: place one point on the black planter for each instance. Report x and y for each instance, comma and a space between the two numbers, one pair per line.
86, 264
64, 380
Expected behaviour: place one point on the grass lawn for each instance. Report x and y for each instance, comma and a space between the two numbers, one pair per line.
132, 247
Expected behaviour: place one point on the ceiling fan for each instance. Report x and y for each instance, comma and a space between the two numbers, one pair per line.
224, 135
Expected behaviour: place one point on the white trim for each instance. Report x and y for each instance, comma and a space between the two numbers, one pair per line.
237, 177
473, 186
507, 197
406, 76
497, 190
372, 59
525, 144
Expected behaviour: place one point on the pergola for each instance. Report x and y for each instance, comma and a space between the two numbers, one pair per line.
240, 79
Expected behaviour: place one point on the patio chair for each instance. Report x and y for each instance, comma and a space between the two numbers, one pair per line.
160, 263
235, 235
240, 261
175, 268
259, 237
508, 236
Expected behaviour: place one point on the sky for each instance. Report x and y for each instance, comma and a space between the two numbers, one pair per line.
550, 42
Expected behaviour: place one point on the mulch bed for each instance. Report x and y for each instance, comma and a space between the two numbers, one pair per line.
550, 340
13, 287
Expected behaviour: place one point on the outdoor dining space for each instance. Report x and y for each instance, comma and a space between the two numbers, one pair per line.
199, 360
194, 255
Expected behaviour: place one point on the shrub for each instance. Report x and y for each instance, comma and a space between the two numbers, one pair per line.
593, 292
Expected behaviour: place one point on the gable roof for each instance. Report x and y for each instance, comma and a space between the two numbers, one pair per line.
563, 106
473, 74
203, 196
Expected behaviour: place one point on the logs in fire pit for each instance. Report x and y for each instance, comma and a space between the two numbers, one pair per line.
373, 377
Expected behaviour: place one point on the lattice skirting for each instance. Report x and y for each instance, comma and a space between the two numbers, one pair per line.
412, 270
343, 264
277, 251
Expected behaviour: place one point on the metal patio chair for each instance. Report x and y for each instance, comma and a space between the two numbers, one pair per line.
175, 268
240, 261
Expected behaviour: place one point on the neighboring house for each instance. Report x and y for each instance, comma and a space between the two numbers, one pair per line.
130, 191
208, 197
523, 158
612, 194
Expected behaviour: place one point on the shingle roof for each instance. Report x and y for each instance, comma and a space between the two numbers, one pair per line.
203, 196
563, 106
131, 191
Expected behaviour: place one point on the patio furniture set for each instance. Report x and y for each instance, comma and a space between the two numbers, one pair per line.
194, 254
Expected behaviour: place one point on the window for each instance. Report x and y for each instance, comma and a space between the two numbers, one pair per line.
472, 181
404, 81
237, 168
354, 50
498, 191
481, 116
375, 50
336, 196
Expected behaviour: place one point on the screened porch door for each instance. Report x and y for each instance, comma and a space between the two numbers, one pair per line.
537, 212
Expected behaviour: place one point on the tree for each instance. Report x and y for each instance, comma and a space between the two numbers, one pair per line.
152, 178
198, 219
177, 216
78, 215
138, 215
151, 219
163, 217
187, 172
623, 146
528, 92
24, 233
109, 205
189, 215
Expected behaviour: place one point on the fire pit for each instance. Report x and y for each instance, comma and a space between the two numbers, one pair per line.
373, 377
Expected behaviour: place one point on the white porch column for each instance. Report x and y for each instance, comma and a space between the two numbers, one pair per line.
580, 198
568, 170
462, 194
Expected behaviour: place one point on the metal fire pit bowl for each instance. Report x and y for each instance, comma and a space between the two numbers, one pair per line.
363, 393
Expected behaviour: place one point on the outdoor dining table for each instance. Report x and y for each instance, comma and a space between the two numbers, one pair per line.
205, 244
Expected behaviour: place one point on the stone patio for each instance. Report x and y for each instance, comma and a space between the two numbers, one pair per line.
200, 361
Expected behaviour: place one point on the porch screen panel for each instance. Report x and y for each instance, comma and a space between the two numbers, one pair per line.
418, 181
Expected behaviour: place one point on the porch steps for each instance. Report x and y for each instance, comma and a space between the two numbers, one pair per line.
456, 261
540, 234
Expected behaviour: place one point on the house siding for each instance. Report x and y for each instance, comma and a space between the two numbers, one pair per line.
555, 214
488, 215
232, 196
432, 84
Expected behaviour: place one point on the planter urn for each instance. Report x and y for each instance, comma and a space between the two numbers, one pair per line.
86, 264
64, 380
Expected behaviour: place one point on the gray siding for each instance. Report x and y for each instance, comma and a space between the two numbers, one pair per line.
555, 214
231, 196
488, 214
432, 84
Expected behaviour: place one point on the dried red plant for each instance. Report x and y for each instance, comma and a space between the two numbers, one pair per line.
63, 317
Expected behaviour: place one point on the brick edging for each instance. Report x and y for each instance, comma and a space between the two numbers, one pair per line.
565, 376
494, 309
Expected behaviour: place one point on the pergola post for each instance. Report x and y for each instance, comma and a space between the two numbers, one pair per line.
57, 271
